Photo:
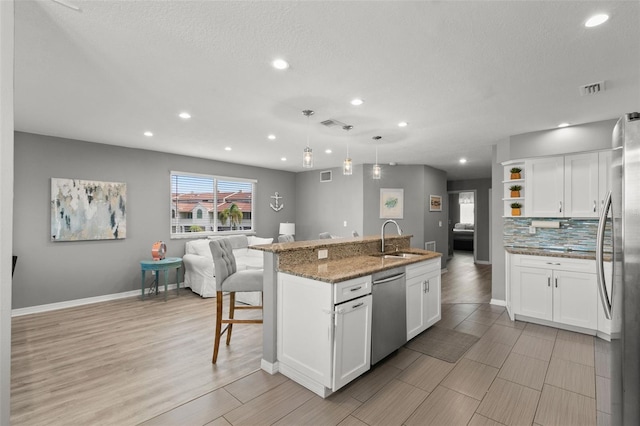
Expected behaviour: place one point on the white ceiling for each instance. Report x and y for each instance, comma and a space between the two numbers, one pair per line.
463, 74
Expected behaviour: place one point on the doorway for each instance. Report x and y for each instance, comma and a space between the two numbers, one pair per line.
462, 223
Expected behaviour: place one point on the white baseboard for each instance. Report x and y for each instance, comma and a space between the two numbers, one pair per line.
271, 368
79, 302
483, 262
498, 302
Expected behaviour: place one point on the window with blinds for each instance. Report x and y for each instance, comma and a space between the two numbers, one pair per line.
208, 204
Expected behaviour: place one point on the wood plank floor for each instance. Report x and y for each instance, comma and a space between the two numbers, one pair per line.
132, 362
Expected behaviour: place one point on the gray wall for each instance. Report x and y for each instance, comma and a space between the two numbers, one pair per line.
418, 183
584, 137
51, 272
325, 206
481, 186
500, 153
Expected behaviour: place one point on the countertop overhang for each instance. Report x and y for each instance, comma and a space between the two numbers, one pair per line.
329, 242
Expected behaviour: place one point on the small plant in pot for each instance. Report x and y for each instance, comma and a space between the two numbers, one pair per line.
515, 173
515, 190
515, 209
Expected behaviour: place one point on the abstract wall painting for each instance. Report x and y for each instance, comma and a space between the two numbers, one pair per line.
88, 210
391, 203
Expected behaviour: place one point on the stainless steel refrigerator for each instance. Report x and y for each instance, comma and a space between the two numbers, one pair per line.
622, 305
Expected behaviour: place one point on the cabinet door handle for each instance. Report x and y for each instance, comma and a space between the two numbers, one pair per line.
424, 286
556, 282
560, 206
595, 204
356, 288
428, 283
548, 281
357, 305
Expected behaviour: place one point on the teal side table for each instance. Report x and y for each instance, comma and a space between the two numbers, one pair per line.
162, 265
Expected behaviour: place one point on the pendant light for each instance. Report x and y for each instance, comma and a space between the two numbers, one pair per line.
347, 165
307, 155
377, 170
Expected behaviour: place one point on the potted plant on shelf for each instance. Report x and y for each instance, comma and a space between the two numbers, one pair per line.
515, 191
515, 209
515, 173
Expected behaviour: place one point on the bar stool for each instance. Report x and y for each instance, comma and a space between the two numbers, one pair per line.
229, 279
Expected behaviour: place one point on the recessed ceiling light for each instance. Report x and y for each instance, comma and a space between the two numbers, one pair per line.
148, 134
463, 160
402, 124
227, 148
184, 115
328, 151
283, 159
596, 20
563, 125
271, 137
280, 64
357, 102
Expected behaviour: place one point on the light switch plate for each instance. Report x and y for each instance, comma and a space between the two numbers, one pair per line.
323, 254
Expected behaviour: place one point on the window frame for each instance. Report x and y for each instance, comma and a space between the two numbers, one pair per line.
215, 179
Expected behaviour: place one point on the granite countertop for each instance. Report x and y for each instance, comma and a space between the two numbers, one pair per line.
333, 271
312, 244
571, 254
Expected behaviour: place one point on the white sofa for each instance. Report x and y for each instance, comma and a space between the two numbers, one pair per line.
199, 274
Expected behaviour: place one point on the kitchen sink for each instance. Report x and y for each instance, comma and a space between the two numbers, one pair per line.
398, 255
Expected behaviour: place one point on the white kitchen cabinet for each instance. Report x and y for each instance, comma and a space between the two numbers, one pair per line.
581, 185
532, 292
324, 339
567, 186
423, 296
545, 187
558, 290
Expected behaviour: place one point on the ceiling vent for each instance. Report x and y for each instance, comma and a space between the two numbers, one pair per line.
332, 123
592, 89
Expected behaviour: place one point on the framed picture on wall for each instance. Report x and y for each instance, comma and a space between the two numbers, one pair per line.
88, 210
435, 203
391, 203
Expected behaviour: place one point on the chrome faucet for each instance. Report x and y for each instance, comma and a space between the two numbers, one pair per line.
382, 230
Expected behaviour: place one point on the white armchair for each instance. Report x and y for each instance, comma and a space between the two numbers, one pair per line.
199, 273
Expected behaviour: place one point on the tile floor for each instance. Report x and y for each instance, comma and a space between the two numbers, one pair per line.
516, 374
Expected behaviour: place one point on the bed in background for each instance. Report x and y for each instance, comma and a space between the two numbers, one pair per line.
463, 236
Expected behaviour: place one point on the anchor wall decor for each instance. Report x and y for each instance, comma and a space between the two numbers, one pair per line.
277, 207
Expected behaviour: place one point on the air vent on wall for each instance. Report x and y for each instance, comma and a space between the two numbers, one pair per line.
592, 89
331, 123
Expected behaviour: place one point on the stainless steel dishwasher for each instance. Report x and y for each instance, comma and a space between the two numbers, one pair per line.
389, 313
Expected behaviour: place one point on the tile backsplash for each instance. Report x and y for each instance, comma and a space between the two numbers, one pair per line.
573, 234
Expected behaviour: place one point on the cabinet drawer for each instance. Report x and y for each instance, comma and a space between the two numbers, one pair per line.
421, 268
557, 263
347, 290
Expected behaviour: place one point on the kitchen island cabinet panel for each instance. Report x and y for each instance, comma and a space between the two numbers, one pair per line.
423, 296
323, 345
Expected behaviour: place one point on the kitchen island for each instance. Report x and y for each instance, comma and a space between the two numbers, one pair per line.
326, 271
